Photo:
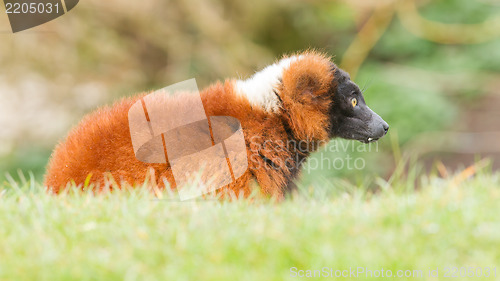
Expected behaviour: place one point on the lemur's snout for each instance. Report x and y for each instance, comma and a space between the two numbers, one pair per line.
377, 127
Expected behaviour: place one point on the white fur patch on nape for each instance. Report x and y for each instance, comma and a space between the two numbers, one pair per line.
259, 89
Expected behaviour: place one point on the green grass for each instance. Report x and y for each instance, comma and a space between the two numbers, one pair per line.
131, 235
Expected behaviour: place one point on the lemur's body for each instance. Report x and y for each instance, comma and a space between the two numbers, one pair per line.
298, 100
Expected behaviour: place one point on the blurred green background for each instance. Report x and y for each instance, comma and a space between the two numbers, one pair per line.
432, 75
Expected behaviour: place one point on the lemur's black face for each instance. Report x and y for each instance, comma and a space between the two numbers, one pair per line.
350, 117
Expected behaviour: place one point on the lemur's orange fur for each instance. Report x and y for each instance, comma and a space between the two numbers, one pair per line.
101, 143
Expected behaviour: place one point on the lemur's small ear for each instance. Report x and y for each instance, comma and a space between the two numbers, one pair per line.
309, 75
305, 95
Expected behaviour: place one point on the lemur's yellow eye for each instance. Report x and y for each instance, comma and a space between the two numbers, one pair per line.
354, 102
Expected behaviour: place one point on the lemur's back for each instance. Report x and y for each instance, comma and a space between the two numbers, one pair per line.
100, 143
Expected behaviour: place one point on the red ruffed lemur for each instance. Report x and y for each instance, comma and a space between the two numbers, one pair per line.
304, 100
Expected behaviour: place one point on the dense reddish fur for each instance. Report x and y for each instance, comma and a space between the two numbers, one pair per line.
101, 145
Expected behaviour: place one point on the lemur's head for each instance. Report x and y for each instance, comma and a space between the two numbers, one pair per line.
350, 117
316, 99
